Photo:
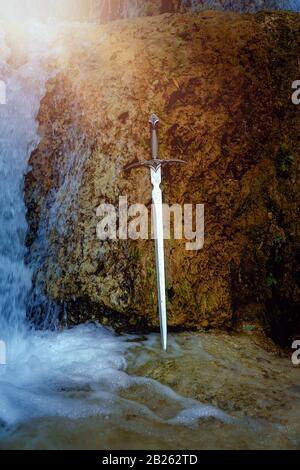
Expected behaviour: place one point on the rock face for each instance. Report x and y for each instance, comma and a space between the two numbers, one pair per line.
221, 84
107, 10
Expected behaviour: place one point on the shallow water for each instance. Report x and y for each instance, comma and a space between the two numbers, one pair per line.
87, 388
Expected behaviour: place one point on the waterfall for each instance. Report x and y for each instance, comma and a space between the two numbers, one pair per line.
25, 86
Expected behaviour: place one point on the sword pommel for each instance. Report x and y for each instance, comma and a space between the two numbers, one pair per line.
154, 121
154, 139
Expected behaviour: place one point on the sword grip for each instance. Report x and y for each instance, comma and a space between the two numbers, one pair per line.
154, 138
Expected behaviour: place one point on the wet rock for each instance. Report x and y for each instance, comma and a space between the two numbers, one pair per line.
221, 84
243, 376
108, 10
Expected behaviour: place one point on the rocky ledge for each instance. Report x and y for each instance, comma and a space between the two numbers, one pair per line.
221, 84
107, 10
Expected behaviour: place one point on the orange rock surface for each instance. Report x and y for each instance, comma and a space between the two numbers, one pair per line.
221, 84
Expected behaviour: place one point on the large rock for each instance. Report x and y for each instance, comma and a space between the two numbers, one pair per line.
221, 84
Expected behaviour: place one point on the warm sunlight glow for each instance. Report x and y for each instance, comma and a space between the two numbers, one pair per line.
16, 10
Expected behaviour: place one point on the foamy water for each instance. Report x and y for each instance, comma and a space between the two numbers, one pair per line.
81, 377
78, 373
89, 388
47, 369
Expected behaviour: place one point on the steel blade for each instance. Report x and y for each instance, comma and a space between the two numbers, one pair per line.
158, 231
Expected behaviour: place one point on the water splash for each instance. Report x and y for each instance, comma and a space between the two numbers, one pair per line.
88, 388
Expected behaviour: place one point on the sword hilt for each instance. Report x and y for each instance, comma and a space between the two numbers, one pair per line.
155, 163
154, 121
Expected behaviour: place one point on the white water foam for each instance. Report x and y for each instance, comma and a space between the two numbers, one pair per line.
82, 372
50, 370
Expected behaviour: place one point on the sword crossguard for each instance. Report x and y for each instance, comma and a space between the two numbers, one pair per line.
154, 164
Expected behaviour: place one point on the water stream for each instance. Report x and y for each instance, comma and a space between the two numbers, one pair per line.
25, 86
88, 387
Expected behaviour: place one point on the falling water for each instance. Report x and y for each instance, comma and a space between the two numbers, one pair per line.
25, 86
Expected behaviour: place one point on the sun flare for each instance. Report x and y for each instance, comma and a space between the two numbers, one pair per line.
44, 10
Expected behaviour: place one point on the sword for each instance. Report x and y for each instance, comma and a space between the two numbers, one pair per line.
155, 165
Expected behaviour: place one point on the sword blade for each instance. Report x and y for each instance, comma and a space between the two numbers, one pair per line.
158, 231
